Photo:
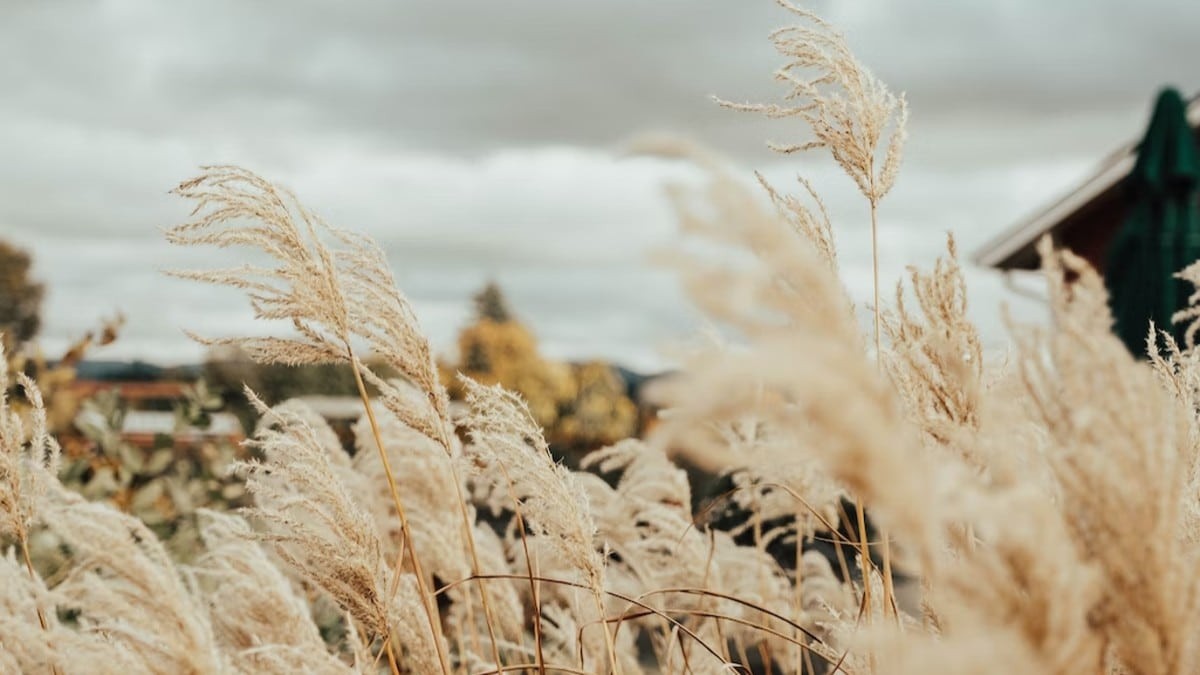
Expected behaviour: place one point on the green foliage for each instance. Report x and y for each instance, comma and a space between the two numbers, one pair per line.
162, 485
195, 409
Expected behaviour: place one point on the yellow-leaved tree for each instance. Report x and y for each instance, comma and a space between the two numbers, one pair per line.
580, 406
498, 349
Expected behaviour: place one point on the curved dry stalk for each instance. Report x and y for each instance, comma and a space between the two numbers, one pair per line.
426, 597
534, 590
619, 596
539, 666
849, 112
724, 617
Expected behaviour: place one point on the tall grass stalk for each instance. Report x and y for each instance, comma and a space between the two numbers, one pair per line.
1048, 503
427, 598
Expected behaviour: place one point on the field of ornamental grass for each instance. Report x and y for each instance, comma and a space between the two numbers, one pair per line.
1039, 514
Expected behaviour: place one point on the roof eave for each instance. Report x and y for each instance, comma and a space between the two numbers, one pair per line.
1012, 248
1007, 251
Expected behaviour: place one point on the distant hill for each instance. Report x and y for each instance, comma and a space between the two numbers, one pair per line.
135, 371
142, 371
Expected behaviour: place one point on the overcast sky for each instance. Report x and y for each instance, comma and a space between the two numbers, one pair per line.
481, 140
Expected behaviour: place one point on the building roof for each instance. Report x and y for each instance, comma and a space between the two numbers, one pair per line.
1016, 248
133, 390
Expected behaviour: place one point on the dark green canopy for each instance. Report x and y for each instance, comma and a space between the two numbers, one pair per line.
1162, 234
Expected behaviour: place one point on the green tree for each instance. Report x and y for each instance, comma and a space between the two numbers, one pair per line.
20, 298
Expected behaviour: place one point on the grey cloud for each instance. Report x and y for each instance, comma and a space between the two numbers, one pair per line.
585, 287
473, 140
1032, 57
479, 76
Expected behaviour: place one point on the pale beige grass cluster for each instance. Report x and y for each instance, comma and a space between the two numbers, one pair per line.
1045, 504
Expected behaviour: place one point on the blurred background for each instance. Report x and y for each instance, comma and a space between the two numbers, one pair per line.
482, 142
484, 146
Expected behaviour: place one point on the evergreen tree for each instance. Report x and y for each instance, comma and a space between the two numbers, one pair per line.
491, 304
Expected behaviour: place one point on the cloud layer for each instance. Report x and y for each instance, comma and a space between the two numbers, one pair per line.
480, 141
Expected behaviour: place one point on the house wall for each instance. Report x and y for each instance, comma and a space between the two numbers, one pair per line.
1090, 234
